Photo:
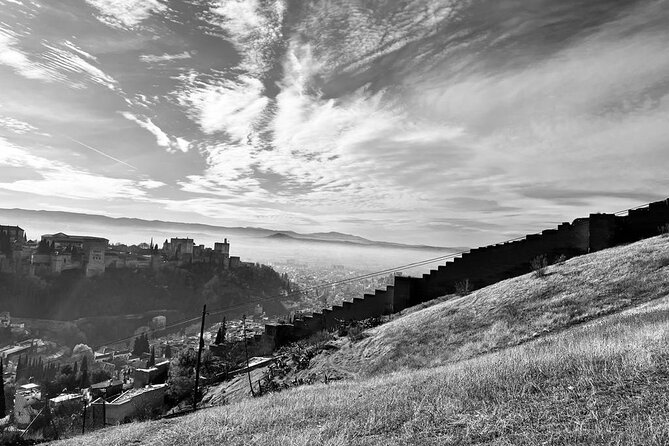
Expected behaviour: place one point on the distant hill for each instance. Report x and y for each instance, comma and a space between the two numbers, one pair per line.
346, 239
56, 220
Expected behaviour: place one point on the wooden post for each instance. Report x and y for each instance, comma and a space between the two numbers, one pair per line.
246, 351
83, 421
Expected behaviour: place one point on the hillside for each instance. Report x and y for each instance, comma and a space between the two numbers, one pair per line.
511, 311
602, 382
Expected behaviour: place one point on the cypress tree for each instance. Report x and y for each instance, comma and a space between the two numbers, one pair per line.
135, 347
75, 370
152, 358
168, 351
3, 409
84, 373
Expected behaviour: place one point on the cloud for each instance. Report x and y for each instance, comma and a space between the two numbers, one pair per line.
227, 105
348, 36
71, 61
17, 126
162, 139
58, 63
152, 58
18, 61
229, 172
126, 13
255, 29
61, 180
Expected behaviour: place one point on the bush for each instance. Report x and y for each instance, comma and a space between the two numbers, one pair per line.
539, 265
663, 230
462, 288
182, 374
560, 259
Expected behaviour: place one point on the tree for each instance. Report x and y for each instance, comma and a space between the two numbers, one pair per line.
182, 373
99, 375
141, 345
168, 351
84, 373
3, 409
152, 359
218, 336
5, 244
82, 350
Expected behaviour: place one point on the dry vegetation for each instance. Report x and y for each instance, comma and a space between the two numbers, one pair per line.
512, 311
603, 382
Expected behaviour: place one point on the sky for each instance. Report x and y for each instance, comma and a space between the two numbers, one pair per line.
451, 123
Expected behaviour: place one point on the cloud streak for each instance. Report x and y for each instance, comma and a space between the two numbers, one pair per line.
100, 152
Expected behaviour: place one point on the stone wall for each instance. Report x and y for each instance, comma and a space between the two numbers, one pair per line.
484, 266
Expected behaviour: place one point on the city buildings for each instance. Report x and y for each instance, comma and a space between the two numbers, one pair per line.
59, 252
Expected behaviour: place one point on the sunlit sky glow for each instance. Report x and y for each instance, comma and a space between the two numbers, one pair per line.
438, 122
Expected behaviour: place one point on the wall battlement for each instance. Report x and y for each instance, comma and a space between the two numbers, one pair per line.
484, 266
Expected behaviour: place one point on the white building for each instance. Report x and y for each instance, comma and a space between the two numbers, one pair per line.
26, 396
131, 404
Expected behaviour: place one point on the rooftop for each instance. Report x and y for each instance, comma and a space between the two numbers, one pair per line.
107, 383
127, 396
60, 236
66, 397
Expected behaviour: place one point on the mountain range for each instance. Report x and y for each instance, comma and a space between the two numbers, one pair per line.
38, 222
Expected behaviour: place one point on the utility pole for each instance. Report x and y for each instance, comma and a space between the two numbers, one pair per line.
104, 407
83, 419
246, 351
199, 355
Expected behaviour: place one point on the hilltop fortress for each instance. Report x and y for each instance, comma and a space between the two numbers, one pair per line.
483, 266
59, 252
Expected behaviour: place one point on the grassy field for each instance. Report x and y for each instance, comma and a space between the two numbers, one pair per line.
601, 382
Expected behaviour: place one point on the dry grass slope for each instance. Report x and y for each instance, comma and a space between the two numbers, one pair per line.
603, 382
512, 311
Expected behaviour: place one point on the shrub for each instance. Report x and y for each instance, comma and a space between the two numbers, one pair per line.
560, 259
663, 230
539, 265
356, 333
462, 288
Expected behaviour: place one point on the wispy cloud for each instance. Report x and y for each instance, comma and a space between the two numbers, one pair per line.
152, 58
126, 13
162, 139
229, 105
255, 28
17, 60
71, 61
60, 63
58, 179
17, 126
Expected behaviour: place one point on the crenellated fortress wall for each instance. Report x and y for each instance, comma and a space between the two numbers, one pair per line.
484, 266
